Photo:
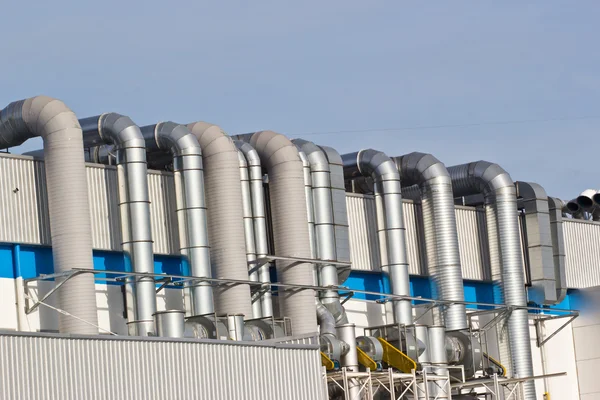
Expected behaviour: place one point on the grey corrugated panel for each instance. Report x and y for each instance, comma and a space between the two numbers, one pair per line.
23, 198
414, 232
362, 221
582, 248
104, 209
472, 241
54, 367
165, 234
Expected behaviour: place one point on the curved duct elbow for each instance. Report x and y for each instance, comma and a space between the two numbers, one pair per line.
289, 216
500, 198
586, 199
539, 243
572, 207
390, 221
129, 149
225, 217
191, 206
428, 178
68, 202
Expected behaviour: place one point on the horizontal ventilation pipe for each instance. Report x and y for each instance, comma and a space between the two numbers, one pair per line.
68, 203
288, 211
503, 232
539, 243
249, 228
587, 203
324, 227
134, 211
259, 222
340, 210
390, 222
191, 206
441, 237
558, 246
573, 208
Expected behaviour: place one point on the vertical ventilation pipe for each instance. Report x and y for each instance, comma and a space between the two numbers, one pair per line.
191, 206
260, 222
390, 222
68, 201
505, 250
286, 186
539, 243
225, 217
249, 229
558, 246
324, 227
134, 211
441, 236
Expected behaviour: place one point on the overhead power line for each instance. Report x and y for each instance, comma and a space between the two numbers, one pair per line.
466, 125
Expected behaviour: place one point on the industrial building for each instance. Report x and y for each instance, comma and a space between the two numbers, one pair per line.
176, 261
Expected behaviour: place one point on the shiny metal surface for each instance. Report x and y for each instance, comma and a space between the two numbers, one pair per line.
52, 367
503, 231
68, 202
582, 252
170, 323
440, 232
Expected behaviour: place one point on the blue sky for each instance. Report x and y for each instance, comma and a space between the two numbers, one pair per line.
308, 66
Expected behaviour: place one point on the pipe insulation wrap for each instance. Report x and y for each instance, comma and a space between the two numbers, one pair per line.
191, 206
134, 211
289, 215
390, 222
225, 217
324, 226
68, 201
501, 200
441, 237
260, 222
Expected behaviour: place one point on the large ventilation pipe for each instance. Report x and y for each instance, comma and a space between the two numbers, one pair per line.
225, 217
586, 201
572, 207
390, 222
558, 246
134, 211
288, 211
259, 222
68, 201
544, 277
325, 240
441, 237
191, 206
503, 232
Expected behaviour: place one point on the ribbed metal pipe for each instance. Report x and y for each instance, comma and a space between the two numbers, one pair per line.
324, 226
249, 228
441, 236
191, 206
68, 201
225, 217
260, 222
390, 221
501, 200
134, 210
288, 211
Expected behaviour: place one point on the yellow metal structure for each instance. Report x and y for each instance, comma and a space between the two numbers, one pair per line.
365, 360
326, 362
397, 359
496, 363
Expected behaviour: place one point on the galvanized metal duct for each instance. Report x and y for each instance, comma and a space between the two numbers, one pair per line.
68, 202
249, 229
539, 243
572, 207
326, 249
286, 187
191, 206
259, 222
225, 217
134, 211
558, 246
390, 221
587, 203
501, 202
441, 236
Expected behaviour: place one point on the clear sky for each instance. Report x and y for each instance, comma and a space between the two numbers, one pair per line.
320, 66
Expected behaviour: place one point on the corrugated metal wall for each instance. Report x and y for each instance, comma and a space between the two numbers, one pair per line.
582, 249
42, 366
